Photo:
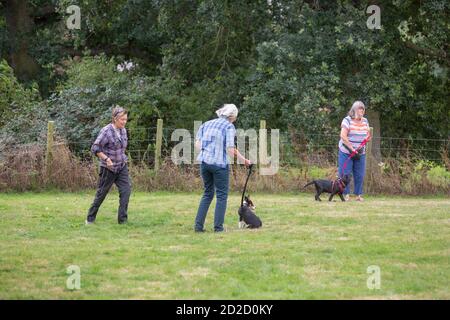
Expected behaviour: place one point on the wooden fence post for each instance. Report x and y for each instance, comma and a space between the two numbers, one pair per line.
130, 161
49, 151
262, 143
369, 163
159, 135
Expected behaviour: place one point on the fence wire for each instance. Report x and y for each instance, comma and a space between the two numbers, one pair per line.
296, 148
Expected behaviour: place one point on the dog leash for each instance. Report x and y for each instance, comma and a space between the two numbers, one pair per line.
363, 143
245, 186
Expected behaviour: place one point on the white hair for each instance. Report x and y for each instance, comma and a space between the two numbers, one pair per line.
356, 105
227, 111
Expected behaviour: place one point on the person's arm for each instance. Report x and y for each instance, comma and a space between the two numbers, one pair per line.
198, 145
105, 158
231, 147
344, 137
97, 148
232, 151
198, 139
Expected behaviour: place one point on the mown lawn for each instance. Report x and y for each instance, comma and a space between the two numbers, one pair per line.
305, 250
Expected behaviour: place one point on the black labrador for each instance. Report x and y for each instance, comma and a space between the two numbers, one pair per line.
333, 187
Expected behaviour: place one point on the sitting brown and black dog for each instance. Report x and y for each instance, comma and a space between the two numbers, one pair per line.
247, 216
333, 187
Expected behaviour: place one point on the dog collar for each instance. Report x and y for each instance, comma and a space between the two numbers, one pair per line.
340, 184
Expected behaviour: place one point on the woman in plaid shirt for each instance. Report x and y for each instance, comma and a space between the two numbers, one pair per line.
215, 139
110, 147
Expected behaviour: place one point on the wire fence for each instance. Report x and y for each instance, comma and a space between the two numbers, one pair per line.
295, 148
326, 145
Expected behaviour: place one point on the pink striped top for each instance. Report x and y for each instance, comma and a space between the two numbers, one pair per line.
357, 132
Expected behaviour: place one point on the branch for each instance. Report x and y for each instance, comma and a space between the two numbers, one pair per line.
128, 51
43, 12
441, 54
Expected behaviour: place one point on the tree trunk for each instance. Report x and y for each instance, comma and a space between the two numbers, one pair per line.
20, 25
374, 121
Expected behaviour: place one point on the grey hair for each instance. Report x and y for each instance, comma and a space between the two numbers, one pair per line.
356, 105
118, 110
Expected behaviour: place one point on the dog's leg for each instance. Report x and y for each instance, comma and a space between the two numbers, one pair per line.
331, 196
341, 196
318, 192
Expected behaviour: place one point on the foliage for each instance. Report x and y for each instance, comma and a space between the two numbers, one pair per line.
124, 28
320, 61
83, 102
207, 39
3, 35
94, 85
15, 100
297, 64
439, 176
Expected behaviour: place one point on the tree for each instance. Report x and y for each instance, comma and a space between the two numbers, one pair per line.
20, 26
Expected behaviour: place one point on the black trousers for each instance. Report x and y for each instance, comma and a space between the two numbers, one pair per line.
107, 178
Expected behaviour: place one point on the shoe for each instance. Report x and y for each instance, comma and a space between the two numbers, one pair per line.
123, 221
359, 198
347, 197
88, 222
200, 231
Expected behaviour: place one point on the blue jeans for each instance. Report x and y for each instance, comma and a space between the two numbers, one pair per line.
355, 167
214, 178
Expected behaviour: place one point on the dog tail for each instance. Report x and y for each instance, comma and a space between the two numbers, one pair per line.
308, 184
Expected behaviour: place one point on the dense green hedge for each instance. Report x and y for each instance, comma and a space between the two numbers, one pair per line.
297, 64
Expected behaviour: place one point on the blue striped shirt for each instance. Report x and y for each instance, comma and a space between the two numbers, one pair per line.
216, 136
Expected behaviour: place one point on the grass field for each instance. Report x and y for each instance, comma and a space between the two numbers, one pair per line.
305, 250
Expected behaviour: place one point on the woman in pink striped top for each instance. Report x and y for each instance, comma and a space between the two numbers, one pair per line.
354, 131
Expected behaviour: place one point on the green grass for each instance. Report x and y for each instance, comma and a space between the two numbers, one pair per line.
305, 250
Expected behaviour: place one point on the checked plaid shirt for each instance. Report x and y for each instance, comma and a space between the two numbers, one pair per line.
113, 145
216, 136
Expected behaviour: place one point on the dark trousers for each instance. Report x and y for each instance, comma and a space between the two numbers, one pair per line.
214, 179
107, 178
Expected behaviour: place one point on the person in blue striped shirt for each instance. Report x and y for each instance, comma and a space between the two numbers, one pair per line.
215, 142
